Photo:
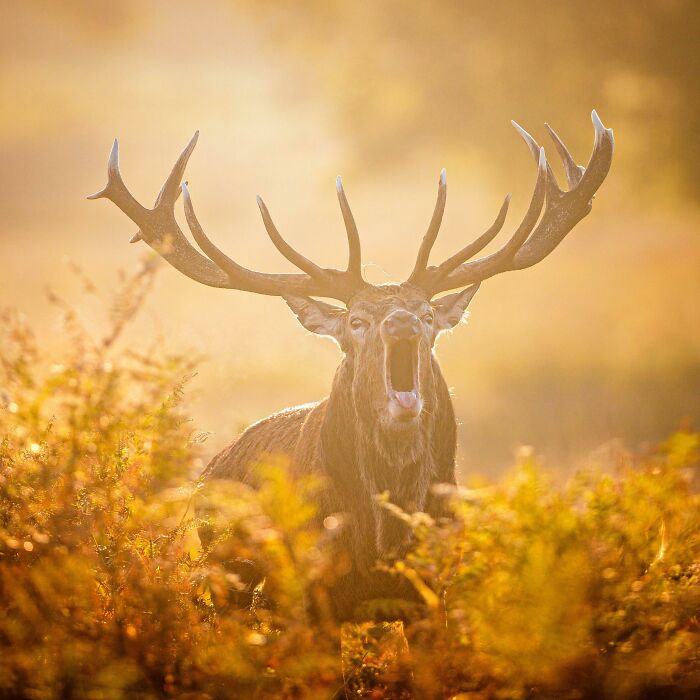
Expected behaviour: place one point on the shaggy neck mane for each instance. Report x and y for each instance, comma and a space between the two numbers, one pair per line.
364, 460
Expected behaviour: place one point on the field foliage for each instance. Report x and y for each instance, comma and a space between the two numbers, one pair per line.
533, 589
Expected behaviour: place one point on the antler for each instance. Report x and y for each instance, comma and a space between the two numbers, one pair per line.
160, 230
532, 241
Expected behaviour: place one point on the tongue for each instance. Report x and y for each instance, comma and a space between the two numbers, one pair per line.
407, 399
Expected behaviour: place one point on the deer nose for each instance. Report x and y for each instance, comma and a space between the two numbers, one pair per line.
401, 325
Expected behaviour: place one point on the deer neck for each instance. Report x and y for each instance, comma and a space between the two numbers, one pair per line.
356, 444
363, 462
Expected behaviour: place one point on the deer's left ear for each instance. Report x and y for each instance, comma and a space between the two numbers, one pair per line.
450, 309
317, 316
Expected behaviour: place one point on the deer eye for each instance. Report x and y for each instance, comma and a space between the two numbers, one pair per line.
428, 318
358, 324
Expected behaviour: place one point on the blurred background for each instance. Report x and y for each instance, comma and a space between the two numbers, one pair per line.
600, 343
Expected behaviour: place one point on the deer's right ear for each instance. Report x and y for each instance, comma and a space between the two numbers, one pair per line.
317, 316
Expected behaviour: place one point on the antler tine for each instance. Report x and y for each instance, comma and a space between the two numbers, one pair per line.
600, 161
573, 171
469, 251
432, 233
294, 257
553, 189
170, 191
354, 247
115, 190
231, 267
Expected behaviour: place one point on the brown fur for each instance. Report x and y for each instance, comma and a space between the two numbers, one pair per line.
350, 441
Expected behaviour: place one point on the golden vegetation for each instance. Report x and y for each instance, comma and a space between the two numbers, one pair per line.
591, 589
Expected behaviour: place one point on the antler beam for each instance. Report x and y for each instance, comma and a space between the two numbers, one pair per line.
532, 241
159, 229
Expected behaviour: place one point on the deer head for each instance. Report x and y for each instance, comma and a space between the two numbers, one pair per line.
387, 332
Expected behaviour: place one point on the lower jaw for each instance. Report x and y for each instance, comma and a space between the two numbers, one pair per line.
401, 427
400, 418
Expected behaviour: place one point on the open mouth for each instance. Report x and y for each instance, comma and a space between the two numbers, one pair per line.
402, 379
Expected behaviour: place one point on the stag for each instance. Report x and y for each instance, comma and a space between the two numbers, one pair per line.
388, 424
